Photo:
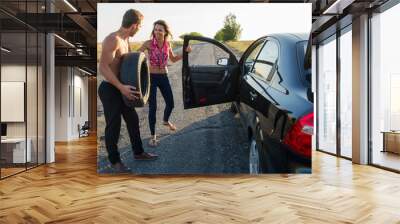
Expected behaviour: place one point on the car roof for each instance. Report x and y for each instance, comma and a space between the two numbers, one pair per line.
295, 37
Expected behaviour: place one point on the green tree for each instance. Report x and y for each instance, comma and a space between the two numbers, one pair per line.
192, 34
231, 30
219, 35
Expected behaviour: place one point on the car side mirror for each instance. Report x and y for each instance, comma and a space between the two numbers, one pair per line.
222, 61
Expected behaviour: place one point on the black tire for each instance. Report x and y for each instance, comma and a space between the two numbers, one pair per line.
134, 71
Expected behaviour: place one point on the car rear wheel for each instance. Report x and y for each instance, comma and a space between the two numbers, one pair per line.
254, 158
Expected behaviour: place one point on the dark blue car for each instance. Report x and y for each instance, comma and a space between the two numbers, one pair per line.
270, 87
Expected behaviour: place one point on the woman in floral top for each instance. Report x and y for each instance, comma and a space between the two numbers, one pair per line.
159, 51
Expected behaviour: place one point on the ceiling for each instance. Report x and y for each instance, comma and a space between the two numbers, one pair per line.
76, 22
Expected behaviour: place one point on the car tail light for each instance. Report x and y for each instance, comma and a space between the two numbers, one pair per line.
299, 136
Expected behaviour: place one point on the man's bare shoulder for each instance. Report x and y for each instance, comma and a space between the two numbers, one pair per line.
111, 40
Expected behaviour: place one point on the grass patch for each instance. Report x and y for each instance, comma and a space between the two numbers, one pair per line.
176, 44
135, 45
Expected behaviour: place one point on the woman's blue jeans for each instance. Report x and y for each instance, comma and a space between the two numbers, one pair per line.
162, 82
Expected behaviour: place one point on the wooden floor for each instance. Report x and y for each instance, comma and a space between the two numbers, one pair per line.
70, 191
10, 171
387, 159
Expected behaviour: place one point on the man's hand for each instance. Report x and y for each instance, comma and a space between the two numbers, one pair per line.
129, 92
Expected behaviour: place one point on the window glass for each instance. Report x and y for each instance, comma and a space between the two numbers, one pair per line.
262, 69
14, 151
269, 52
327, 96
346, 94
249, 62
22, 80
266, 60
276, 82
205, 53
252, 56
385, 89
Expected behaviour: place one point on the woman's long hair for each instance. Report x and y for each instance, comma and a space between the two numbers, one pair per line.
161, 22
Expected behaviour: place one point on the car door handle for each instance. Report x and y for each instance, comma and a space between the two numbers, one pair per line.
253, 95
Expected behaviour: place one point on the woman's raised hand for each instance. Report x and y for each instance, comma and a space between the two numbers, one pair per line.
189, 49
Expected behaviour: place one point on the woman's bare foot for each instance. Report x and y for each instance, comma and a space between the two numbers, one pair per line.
171, 126
153, 141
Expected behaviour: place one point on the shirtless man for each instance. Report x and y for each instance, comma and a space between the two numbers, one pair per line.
111, 90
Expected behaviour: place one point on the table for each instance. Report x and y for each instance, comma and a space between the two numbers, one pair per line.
13, 150
391, 141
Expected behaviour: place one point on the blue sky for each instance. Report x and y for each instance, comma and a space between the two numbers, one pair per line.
256, 19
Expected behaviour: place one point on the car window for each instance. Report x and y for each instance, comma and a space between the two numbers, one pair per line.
262, 69
276, 82
253, 54
205, 53
269, 52
266, 61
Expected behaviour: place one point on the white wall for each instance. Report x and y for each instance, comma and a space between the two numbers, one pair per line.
71, 93
80, 94
314, 90
14, 73
61, 103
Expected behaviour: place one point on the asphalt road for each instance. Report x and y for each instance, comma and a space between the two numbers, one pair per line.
209, 140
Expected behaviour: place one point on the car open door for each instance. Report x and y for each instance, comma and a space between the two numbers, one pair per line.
210, 73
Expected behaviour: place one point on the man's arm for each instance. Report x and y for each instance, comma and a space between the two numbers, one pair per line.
109, 49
